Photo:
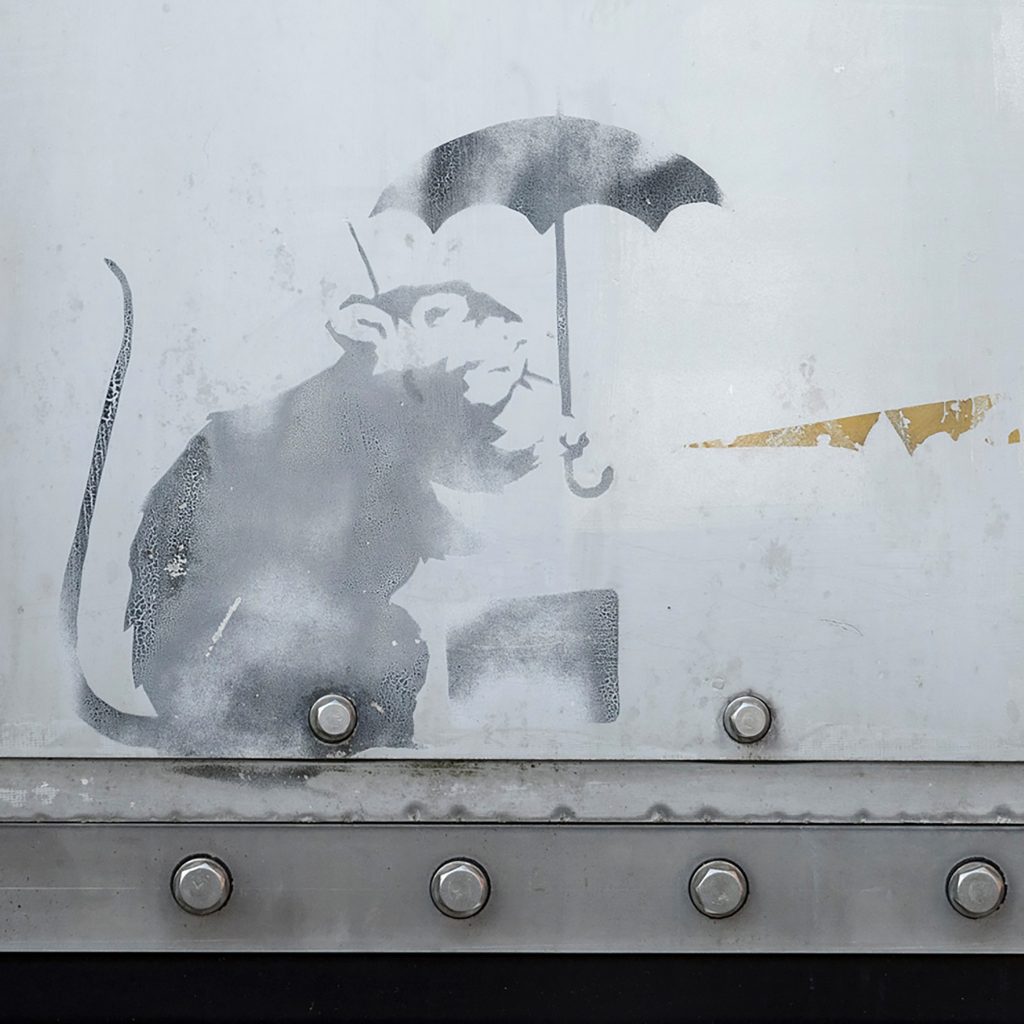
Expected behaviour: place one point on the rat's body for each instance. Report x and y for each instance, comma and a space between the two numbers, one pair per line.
268, 554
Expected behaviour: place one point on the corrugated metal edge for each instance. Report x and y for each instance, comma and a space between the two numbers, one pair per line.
564, 792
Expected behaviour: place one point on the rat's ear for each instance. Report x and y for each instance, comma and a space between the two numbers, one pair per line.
359, 325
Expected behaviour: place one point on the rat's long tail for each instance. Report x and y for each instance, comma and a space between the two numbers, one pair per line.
136, 730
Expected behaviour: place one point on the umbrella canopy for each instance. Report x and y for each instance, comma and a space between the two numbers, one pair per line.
543, 167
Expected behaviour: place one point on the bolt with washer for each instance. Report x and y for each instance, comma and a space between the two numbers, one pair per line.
201, 885
332, 718
976, 888
747, 719
460, 888
718, 888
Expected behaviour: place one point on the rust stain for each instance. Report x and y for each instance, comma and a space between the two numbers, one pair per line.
1014, 437
849, 432
913, 423
916, 423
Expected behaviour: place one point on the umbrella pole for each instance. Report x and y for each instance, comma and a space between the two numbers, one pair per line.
571, 451
562, 316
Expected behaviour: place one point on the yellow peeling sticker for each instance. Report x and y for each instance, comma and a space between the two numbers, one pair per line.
849, 432
916, 423
913, 423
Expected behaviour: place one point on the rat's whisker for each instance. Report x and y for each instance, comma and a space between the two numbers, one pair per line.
528, 374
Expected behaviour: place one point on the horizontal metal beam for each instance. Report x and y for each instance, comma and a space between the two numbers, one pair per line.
552, 888
142, 790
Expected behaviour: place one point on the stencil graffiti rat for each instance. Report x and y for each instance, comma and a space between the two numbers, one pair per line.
268, 555
265, 564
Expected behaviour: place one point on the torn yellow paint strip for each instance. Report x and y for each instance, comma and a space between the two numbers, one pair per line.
849, 432
913, 423
916, 423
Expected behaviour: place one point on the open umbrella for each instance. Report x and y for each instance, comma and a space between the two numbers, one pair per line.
542, 167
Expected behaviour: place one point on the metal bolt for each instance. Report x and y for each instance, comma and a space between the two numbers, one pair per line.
718, 888
201, 885
460, 888
332, 718
747, 719
976, 888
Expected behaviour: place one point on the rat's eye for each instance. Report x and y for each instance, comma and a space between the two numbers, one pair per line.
431, 308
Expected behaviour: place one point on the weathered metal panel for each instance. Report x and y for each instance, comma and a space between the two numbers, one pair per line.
809, 393
582, 440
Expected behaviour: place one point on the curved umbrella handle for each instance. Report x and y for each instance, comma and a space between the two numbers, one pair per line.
570, 455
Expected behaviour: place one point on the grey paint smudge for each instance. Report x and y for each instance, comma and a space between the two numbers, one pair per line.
777, 562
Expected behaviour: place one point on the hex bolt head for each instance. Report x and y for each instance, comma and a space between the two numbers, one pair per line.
747, 718
460, 888
718, 888
332, 718
976, 888
201, 885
